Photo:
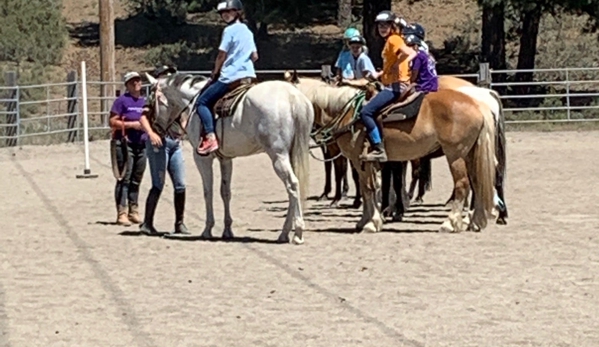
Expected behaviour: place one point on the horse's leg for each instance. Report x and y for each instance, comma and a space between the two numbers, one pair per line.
340, 165
398, 179
283, 169
362, 178
500, 203
204, 165
226, 171
374, 220
326, 153
415, 175
356, 178
345, 180
386, 171
459, 172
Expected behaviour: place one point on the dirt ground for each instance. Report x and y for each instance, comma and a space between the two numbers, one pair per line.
69, 278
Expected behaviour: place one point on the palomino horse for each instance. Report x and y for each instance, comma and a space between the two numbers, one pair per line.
421, 168
272, 117
448, 119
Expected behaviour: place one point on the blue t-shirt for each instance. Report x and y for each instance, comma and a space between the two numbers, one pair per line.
238, 42
129, 109
353, 67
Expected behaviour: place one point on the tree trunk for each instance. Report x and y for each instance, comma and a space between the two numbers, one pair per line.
528, 46
493, 37
375, 42
344, 13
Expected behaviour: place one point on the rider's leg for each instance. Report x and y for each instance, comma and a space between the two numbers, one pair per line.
368, 114
204, 106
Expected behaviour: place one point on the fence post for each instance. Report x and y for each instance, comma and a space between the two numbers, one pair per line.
72, 105
12, 108
325, 71
568, 93
484, 76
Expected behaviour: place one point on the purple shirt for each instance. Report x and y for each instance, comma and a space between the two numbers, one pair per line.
128, 108
427, 73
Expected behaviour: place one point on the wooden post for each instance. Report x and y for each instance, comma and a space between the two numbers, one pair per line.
107, 57
12, 119
72, 105
484, 76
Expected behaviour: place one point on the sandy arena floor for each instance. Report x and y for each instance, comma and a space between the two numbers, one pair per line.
70, 278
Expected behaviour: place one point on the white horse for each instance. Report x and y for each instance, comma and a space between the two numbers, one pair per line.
272, 117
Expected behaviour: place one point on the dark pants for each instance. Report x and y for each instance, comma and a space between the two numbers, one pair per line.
206, 102
371, 110
127, 189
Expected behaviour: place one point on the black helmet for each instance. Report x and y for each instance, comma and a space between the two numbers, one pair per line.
357, 39
413, 40
164, 69
225, 5
414, 29
385, 16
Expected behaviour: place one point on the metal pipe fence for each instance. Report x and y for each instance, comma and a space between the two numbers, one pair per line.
52, 113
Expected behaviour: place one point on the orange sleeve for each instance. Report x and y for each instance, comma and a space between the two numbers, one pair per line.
396, 43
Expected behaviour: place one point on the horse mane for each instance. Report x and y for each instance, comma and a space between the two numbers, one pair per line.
329, 98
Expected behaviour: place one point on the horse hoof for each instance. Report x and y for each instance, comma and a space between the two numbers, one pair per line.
356, 204
298, 240
418, 201
283, 238
501, 221
335, 203
323, 197
369, 228
206, 235
398, 217
446, 227
228, 235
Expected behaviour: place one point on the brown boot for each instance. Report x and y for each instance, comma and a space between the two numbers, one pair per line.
134, 214
122, 216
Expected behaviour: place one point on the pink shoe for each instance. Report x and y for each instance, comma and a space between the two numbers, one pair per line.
208, 145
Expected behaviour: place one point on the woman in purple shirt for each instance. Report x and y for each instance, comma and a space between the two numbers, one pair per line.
424, 72
130, 144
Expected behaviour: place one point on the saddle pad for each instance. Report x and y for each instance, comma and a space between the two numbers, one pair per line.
226, 105
403, 110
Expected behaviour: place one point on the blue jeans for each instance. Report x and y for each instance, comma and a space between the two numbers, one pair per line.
370, 110
168, 157
206, 101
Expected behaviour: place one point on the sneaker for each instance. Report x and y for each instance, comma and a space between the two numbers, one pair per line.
208, 145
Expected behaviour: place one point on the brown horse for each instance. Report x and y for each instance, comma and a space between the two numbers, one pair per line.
450, 120
421, 168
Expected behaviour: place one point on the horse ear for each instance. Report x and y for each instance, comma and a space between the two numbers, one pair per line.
151, 79
291, 76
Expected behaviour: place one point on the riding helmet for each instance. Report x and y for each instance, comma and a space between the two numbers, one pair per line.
226, 5
350, 32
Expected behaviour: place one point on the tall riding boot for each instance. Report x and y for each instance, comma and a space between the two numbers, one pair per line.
180, 227
151, 202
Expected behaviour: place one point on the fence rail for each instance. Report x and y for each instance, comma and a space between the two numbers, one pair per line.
52, 113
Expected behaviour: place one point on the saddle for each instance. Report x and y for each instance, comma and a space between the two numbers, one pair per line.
407, 106
227, 105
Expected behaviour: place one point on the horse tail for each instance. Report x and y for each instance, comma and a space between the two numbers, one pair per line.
425, 174
303, 117
482, 169
500, 145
